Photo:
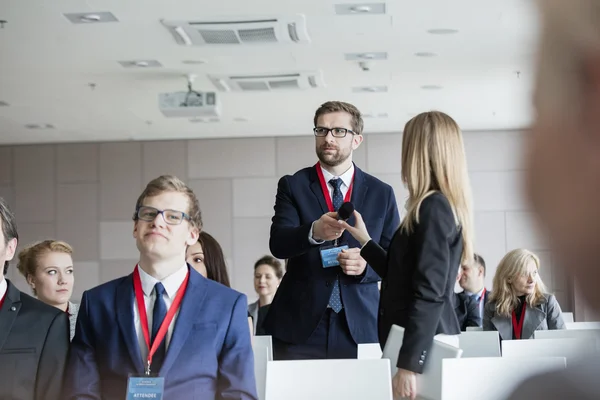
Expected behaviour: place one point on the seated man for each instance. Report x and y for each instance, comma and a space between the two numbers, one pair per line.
466, 308
472, 280
133, 327
34, 336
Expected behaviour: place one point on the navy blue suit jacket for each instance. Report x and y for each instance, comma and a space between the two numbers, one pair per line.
304, 292
209, 355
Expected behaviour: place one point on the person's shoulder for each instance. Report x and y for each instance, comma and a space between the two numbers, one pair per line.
435, 209
219, 291
31, 304
107, 287
374, 181
436, 200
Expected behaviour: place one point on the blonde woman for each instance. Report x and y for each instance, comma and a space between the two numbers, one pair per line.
419, 270
520, 303
48, 268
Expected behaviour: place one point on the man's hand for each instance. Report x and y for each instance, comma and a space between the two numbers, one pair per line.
327, 227
351, 261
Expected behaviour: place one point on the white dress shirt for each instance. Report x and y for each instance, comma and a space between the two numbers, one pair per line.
3, 288
346, 178
171, 284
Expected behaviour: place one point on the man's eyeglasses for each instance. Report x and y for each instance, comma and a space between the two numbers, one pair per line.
335, 132
171, 217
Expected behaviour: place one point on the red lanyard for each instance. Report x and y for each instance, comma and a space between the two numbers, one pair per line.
2, 299
162, 331
482, 296
326, 190
518, 326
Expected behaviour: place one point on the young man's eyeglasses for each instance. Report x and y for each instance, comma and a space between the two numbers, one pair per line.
335, 132
171, 217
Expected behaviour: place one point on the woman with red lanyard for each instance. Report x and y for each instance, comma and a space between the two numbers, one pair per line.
520, 303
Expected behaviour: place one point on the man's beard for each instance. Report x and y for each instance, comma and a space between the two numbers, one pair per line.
332, 160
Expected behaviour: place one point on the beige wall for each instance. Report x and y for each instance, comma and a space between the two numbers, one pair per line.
85, 194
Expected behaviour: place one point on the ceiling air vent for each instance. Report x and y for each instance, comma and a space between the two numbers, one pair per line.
239, 31
268, 82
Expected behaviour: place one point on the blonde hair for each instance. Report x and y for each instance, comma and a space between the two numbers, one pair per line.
170, 183
513, 265
29, 256
433, 160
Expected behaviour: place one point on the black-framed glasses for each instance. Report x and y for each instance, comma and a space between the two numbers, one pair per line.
335, 132
171, 217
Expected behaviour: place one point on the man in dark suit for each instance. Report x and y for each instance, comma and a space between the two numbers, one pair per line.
34, 336
204, 348
466, 308
322, 312
472, 280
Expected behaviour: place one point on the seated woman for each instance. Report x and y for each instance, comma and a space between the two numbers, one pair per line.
520, 303
267, 277
206, 256
48, 268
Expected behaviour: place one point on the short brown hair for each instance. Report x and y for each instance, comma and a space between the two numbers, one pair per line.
29, 256
271, 262
340, 106
170, 183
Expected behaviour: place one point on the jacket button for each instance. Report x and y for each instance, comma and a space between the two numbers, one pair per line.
13, 308
424, 352
420, 362
422, 357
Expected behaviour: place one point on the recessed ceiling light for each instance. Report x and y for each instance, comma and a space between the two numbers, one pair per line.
240, 119
3, 104
140, 64
39, 126
366, 56
193, 62
425, 54
369, 89
442, 31
360, 8
431, 87
91, 18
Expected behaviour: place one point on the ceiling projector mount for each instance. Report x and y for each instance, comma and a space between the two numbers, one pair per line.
190, 103
192, 98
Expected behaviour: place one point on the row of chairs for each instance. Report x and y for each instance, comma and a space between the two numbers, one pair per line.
477, 368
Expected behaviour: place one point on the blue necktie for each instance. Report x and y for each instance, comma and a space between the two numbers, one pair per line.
158, 316
335, 301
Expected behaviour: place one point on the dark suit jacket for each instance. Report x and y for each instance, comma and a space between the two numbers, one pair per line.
419, 274
209, 355
467, 311
547, 315
34, 345
304, 292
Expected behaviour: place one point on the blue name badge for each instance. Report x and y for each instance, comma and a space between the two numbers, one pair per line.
329, 256
145, 387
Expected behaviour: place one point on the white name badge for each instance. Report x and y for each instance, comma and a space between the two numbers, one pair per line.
145, 387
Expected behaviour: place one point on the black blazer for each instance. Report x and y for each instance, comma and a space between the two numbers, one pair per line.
419, 274
304, 292
467, 311
34, 345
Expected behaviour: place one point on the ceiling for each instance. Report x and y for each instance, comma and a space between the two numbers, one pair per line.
68, 75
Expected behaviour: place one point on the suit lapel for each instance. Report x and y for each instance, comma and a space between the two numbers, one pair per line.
190, 309
534, 316
7, 315
359, 190
315, 186
125, 318
503, 326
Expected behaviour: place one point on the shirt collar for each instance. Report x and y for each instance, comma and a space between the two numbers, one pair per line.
478, 294
3, 287
171, 282
346, 177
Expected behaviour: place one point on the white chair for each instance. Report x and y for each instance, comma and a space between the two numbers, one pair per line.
369, 351
474, 328
568, 317
430, 381
569, 333
262, 347
582, 325
569, 348
492, 378
329, 379
479, 344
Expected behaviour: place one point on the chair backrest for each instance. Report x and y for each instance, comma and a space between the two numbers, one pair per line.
582, 325
492, 378
569, 348
568, 317
479, 344
264, 341
369, 351
430, 381
329, 379
474, 328
569, 333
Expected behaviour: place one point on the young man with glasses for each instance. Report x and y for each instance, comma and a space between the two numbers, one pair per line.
163, 330
328, 299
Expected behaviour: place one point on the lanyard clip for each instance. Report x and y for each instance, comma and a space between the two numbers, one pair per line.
148, 368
